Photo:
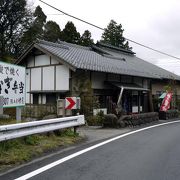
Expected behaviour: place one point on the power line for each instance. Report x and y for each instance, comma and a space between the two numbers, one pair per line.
161, 52
55, 14
72, 16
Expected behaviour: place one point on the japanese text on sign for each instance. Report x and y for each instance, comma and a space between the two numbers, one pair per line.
12, 84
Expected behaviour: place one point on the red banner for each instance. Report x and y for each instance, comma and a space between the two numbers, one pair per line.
166, 102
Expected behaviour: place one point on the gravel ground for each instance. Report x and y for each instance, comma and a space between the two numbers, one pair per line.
95, 133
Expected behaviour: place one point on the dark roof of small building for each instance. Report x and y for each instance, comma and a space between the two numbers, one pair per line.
101, 58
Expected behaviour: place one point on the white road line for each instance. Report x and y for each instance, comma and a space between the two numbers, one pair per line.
60, 161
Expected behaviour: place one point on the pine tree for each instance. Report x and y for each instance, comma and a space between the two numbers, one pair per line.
36, 29
52, 31
86, 39
113, 35
15, 18
70, 34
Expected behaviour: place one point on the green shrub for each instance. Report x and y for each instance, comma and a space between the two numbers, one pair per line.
6, 145
169, 114
137, 119
32, 140
96, 120
69, 133
110, 120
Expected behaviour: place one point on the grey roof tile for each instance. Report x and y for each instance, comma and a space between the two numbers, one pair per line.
113, 62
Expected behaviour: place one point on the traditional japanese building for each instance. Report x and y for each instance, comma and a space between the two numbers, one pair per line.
116, 75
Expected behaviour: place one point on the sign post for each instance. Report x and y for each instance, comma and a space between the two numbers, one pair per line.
18, 114
72, 103
1, 105
12, 86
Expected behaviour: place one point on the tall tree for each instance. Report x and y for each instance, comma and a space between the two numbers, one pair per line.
52, 31
70, 34
86, 39
36, 29
14, 20
113, 35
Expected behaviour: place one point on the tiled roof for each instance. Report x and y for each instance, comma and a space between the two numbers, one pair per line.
104, 59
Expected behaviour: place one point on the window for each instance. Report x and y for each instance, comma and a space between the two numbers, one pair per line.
126, 79
50, 98
135, 98
35, 98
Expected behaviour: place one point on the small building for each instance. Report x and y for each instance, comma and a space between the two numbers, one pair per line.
54, 71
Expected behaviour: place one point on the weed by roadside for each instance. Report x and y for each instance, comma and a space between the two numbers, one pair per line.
18, 151
7, 121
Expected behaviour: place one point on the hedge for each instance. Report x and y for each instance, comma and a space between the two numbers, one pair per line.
169, 114
111, 120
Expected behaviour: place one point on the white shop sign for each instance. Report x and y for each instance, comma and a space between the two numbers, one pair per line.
12, 84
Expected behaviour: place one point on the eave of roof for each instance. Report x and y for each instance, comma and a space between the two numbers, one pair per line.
24, 54
56, 57
36, 45
47, 91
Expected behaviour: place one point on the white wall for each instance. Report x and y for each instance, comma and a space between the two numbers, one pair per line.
97, 80
36, 79
43, 78
48, 78
42, 60
54, 61
62, 77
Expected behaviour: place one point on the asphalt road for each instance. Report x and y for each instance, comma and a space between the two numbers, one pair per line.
152, 154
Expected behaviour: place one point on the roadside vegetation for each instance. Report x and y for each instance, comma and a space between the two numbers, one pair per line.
96, 120
21, 150
5, 121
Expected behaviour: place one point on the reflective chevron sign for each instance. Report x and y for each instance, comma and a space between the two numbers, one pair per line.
72, 103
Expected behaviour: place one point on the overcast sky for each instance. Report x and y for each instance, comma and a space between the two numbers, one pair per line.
155, 23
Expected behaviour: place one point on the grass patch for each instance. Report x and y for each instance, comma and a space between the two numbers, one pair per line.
18, 151
11, 121
7, 121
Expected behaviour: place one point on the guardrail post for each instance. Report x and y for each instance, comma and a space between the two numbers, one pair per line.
75, 129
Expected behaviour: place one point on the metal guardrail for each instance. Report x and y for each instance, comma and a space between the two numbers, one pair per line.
13, 131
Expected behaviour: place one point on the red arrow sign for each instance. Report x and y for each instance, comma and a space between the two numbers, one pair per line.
71, 103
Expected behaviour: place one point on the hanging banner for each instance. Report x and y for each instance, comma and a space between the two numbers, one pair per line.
12, 85
166, 102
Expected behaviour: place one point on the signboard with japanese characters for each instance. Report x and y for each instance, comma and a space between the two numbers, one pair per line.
12, 85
